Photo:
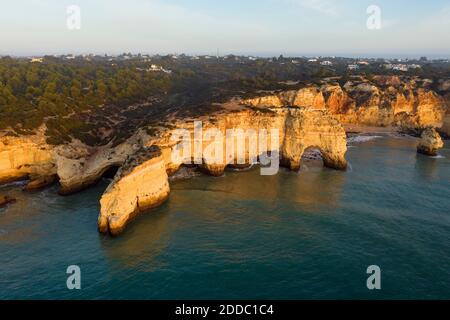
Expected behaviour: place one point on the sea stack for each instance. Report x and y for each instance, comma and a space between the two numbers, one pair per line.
430, 142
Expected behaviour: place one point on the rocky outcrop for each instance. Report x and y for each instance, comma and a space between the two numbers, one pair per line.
430, 142
79, 167
306, 118
306, 129
384, 101
394, 104
143, 182
39, 182
21, 157
76, 165
309, 97
4, 200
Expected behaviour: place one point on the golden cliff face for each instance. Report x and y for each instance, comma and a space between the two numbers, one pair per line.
309, 97
386, 101
305, 118
23, 157
79, 167
146, 161
76, 165
143, 182
392, 104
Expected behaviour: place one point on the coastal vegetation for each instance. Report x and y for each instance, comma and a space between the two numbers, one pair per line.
102, 99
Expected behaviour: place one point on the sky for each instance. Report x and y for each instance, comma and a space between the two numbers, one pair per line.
249, 27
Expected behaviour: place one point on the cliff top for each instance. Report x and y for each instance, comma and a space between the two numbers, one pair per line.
102, 101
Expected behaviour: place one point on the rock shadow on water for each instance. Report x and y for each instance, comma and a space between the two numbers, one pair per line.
427, 168
314, 189
144, 240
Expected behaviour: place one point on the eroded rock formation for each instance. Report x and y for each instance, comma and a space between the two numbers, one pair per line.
76, 165
143, 183
309, 117
21, 157
384, 101
430, 142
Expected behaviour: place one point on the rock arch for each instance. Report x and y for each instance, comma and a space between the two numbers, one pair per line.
317, 129
143, 182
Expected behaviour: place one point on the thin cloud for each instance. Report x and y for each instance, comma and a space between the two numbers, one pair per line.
325, 7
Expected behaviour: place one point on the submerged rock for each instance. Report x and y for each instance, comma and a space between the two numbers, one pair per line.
445, 129
4, 200
37, 183
143, 181
430, 142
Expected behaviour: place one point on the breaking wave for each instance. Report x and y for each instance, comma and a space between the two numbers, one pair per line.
360, 139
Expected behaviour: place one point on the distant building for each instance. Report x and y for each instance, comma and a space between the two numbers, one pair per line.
326, 63
352, 67
155, 68
400, 67
37, 60
414, 66
363, 63
312, 60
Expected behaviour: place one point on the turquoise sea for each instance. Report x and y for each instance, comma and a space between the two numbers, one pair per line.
306, 235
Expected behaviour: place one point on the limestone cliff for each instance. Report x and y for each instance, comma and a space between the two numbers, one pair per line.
24, 157
76, 165
305, 118
309, 97
142, 182
408, 103
79, 166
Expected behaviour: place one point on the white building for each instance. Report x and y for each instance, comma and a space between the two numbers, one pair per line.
414, 66
37, 60
326, 63
352, 67
155, 68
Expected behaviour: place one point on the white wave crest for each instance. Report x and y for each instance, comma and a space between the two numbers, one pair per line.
360, 139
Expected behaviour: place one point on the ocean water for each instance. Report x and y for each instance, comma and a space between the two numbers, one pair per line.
306, 235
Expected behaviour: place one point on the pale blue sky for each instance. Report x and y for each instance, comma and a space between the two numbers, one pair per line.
264, 27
